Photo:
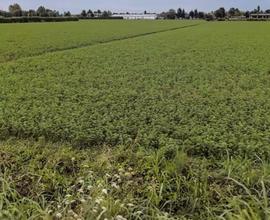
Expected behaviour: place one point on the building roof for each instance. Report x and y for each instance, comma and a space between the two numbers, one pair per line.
260, 14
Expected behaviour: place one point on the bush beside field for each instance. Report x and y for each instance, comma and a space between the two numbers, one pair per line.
101, 18
36, 19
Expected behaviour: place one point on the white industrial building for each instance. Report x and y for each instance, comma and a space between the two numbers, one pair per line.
133, 16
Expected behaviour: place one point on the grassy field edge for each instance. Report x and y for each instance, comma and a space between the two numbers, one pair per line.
53, 181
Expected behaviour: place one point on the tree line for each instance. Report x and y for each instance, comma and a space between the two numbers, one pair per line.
91, 14
15, 10
220, 13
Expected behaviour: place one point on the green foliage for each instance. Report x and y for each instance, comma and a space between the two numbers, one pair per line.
206, 100
171, 125
36, 19
127, 183
24, 40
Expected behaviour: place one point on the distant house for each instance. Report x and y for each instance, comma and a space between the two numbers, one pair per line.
259, 16
237, 18
134, 16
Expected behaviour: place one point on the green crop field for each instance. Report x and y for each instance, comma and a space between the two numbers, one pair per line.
135, 120
24, 40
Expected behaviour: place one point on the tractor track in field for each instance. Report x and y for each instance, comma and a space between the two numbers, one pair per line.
100, 43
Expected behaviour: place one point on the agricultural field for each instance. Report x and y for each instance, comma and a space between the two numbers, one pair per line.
160, 123
24, 40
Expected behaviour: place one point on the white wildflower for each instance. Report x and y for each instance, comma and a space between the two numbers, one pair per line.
83, 201
58, 215
116, 176
121, 170
139, 212
80, 190
98, 200
114, 185
120, 217
128, 175
105, 191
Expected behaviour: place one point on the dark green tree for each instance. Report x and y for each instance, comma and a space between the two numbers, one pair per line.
196, 14
183, 15
191, 14
41, 11
258, 9
171, 14
90, 14
83, 13
67, 14
179, 13
15, 10
247, 14
220, 13
201, 15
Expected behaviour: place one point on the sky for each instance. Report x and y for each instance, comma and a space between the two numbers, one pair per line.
75, 6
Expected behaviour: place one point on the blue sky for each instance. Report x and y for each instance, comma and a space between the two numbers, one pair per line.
76, 6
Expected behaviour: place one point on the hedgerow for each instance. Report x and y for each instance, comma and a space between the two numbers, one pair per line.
36, 19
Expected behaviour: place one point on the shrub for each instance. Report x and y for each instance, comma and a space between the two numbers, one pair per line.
36, 19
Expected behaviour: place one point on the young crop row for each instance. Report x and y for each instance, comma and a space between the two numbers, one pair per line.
24, 40
204, 89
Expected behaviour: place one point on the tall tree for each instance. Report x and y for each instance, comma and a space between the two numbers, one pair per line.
183, 15
15, 10
90, 14
196, 14
220, 13
201, 15
41, 11
179, 13
231, 12
247, 14
171, 14
83, 13
31, 13
105, 14
191, 14
67, 14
